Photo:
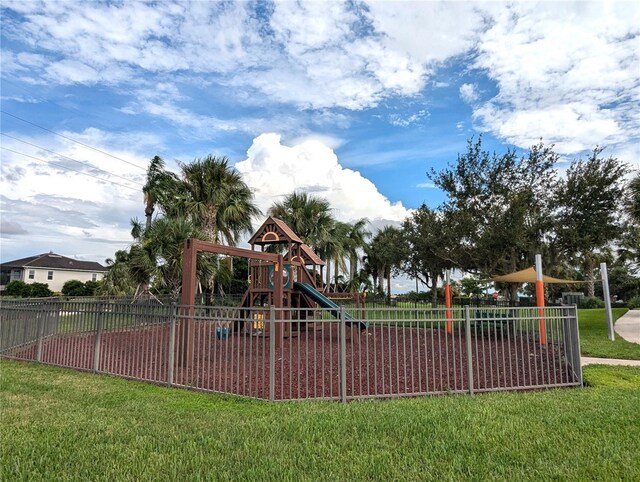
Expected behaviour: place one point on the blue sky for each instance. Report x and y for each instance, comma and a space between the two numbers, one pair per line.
353, 101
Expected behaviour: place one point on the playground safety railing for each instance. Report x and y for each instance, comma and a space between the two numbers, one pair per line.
294, 354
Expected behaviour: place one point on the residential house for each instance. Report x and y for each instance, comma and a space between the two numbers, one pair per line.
50, 268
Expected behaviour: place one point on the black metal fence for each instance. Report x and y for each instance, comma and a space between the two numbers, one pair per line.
292, 354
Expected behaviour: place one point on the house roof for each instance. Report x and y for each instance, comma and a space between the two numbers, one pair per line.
55, 261
274, 231
529, 276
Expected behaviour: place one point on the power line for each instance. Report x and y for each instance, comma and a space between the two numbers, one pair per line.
70, 109
72, 140
71, 159
40, 98
68, 168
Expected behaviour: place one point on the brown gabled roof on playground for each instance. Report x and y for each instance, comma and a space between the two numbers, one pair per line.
308, 256
274, 231
529, 276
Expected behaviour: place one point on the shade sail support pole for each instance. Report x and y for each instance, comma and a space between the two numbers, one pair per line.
540, 300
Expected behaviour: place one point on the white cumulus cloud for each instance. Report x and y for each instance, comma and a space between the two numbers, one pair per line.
567, 72
273, 170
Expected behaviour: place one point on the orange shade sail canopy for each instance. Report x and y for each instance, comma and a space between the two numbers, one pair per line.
529, 276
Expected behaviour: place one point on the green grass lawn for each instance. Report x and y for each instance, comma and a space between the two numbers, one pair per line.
65, 425
594, 340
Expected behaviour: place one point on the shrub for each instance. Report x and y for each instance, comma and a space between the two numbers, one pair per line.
40, 290
591, 302
73, 287
18, 288
91, 288
634, 303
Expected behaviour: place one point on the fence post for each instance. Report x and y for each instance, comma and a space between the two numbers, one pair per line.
272, 353
40, 318
172, 343
571, 341
342, 360
467, 321
578, 360
97, 345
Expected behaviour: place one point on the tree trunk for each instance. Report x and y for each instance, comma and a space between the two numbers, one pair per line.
328, 276
434, 291
513, 294
353, 266
210, 225
389, 287
148, 217
588, 271
148, 214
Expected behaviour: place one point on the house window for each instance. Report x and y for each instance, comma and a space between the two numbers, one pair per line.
94, 277
32, 274
49, 275
16, 274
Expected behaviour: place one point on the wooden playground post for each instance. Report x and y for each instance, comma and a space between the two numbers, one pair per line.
187, 301
191, 249
447, 300
540, 300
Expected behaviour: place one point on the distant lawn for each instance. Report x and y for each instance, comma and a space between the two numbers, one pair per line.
594, 339
65, 425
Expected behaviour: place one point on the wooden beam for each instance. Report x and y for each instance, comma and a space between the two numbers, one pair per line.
203, 246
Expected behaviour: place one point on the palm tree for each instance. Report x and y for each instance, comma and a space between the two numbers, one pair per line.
373, 266
156, 256
356, 240
160, 187
216, 198
165, 240
308, 216
332, 248
208, 201
360, 282
386, 252
117, 281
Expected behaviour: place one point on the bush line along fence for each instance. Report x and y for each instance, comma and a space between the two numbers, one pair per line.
287, 354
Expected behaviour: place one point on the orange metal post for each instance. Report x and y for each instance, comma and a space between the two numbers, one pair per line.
447, 303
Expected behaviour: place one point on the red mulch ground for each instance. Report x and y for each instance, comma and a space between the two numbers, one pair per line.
381, 361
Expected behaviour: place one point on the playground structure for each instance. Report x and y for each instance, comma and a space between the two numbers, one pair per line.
275, 280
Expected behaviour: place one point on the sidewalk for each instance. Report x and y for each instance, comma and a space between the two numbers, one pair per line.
588, 360
628, 326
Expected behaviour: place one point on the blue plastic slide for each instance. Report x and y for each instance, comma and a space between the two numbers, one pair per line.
325, 302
